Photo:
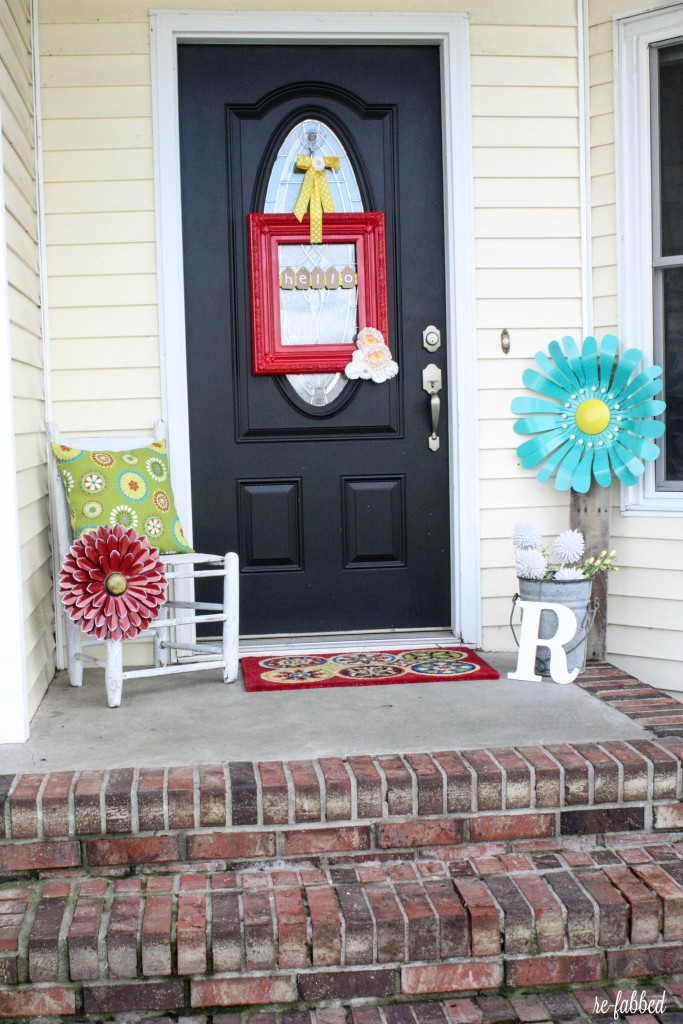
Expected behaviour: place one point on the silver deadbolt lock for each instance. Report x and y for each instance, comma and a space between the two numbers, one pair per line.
431, 338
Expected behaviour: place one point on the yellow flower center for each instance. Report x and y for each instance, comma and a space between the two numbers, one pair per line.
115, 584
593, 416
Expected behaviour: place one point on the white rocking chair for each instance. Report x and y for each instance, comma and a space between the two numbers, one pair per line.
167, 629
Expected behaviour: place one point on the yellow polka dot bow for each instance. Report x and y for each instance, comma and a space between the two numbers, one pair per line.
315, 191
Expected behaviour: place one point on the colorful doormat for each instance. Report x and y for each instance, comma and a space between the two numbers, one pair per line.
370, 668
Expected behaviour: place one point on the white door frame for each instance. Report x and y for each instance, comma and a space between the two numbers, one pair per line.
450, 32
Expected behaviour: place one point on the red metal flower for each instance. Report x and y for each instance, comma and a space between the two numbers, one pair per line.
112, 583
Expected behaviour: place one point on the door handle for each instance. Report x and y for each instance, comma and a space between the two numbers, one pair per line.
431, 383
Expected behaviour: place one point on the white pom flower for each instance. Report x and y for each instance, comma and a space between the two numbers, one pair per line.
568, 546
531, 565
567, 573
526, 535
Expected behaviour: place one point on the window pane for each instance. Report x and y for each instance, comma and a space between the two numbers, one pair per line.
672, 300
671, 148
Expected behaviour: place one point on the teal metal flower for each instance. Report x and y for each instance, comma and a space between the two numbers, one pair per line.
598, 420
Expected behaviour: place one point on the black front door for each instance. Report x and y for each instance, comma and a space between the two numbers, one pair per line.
339, 511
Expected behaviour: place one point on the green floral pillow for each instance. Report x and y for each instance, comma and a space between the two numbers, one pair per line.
129, 488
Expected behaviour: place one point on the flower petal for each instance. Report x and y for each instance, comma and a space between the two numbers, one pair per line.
565, 473
523, 405
627, 364
581, 480
547, 470
533, 424
535, 381
601, 470
609, 347
534, 451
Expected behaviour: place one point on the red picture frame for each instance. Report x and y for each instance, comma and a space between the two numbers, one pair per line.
267, 231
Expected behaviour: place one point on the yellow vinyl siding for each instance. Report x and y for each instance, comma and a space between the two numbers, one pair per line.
645, 596
98, 158
18, 152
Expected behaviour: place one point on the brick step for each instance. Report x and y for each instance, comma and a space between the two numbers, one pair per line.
296, 934
658, 1002
335, 808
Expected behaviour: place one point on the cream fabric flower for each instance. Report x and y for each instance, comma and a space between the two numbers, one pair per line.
372, 359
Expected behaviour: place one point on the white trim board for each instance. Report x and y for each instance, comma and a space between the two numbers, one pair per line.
13, 682
450, 32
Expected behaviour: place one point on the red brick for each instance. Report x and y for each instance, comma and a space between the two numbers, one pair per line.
664, 767
580, 912
122, 932
547, 912
614, 911
40, 856
57, 1000
399, 784
180, 791
451, 978
326, 927
668, 816
547, 773
377, 984
6, 783
157, 923
83, 937
132, 850
87, 803
529, 1009
244, 793
259, 938
226, 931
191, 933
634, 767
338, 797
605, 772
368, 787
389, 924
118, 800
291, 928
489, 780
643, 902
43, 946
671, 895
461, 1011
422, 931
151, 799
306, 784
358, 924
483, 913
412, 834
640, 963
518, 924
230, 845
430, 791
312, 841
9, 974
211, 796
122, 997
453, 920
241, 991
575, 773
494, 827
517, 778
459, 781
594, 821
24, 806
274, 792
571, 969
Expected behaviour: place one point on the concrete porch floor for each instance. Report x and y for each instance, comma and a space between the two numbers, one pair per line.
196, 719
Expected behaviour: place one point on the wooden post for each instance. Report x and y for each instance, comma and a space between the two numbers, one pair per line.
590, 513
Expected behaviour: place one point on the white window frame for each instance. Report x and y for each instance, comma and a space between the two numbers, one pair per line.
633, 37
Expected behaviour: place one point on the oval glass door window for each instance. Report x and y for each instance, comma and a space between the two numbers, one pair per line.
316, 314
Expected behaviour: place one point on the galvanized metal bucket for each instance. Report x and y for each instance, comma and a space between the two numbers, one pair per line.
575, 594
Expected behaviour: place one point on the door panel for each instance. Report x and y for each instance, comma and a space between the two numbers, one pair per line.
341, 513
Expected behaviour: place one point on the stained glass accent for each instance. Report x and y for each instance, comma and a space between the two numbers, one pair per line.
311, 315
